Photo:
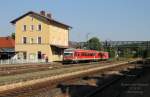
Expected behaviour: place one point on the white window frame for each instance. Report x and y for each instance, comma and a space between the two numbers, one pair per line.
31, 40
31, 27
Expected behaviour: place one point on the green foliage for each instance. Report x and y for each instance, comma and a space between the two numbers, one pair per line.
93, 44
146, 53
13, 35
135, 50
112, 53
128, 53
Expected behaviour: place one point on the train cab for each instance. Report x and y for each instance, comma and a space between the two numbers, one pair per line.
68, 56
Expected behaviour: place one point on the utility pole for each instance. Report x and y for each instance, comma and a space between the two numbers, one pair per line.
87, 37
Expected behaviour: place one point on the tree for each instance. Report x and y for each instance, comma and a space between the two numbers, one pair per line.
146, 53
112, 52
13, 35
93, 44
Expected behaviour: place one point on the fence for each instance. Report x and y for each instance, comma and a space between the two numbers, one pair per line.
21, 61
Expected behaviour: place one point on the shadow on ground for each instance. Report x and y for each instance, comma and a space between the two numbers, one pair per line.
119, 88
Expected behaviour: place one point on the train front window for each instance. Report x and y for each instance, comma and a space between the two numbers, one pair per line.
68, 54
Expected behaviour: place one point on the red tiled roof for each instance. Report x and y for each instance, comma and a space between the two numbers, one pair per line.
7, 42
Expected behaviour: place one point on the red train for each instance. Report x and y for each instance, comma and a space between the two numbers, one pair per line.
77, 55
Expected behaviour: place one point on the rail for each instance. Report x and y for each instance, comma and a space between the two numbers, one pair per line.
106, 85
60, 76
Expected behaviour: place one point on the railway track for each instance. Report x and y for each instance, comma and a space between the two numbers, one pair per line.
27, 68
42, 74
109, 88
77, 68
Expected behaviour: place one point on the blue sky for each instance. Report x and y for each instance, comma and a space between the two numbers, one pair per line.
106, 19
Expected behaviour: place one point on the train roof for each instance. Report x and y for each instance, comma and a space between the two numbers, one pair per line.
79, 50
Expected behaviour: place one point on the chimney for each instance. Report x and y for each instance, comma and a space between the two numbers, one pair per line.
42, 13
49, 16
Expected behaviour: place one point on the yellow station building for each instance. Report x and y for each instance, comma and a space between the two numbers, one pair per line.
39, 36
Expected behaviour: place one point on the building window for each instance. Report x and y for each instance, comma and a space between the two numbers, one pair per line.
24, 40
39, 27
31, 40
24, 55
32, 27
24, 27
32, 18
39, 40
32, 56
39, 55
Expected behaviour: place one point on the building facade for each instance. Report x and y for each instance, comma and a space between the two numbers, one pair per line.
38, 36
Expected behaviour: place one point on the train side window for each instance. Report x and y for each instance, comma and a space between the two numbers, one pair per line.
86, 54
75, 54
78, 54
82, 54
93, 54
